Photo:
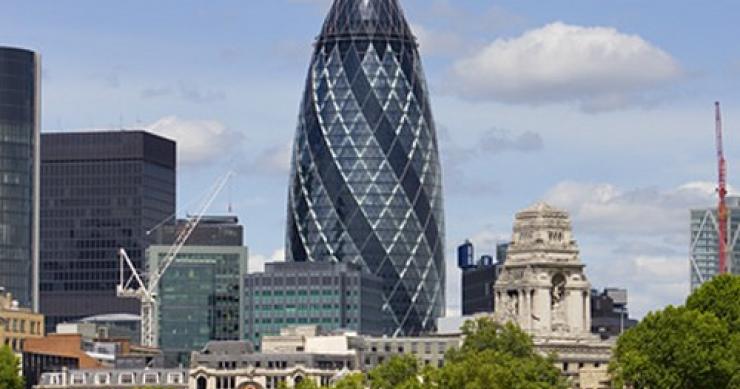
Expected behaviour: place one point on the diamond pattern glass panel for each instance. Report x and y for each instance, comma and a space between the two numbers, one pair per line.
366, 182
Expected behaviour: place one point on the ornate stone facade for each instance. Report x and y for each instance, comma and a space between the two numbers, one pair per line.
543, 288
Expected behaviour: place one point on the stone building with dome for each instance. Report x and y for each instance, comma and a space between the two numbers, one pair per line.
544, 289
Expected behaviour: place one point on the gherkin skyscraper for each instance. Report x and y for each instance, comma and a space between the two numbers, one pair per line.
366, 184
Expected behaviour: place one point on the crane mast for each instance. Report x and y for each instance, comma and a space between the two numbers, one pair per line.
722, 193
135, 287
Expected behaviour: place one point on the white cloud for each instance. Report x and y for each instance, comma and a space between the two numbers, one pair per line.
434, 42
606, 208
198, 141
272, 161
498, 141
600, 68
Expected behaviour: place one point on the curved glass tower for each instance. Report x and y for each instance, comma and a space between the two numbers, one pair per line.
19, 142
366, 185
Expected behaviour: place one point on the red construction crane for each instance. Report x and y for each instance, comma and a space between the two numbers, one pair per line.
722, 192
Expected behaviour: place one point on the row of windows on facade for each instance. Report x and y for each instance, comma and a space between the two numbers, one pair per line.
275, 328
16, 151
98, 232
85, 212
299, 292
14, 192
82, 244
17, 325
146, 378
303, 307
77, 276
414, 348
15, 344
289, 280
81, 255
282, 364
76, 286
103, 168
370, 362
104, 225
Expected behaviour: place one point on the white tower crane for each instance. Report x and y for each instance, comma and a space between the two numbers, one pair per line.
146, 293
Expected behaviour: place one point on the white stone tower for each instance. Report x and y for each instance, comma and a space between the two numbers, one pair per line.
543, 287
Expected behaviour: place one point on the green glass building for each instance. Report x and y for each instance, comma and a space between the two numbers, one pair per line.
330, 295
199, 295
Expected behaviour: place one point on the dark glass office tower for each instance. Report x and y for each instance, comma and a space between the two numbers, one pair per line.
19, 132
366, 184
100, 191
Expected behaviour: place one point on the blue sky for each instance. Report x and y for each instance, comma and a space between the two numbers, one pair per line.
603, 108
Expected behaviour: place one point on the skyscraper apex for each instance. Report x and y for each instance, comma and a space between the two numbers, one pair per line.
366, 17
366, 184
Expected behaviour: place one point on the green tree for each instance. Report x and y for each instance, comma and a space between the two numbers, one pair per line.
401, 372
720, 296
9, 370
495, 356
351, 381
675, 348
307, 383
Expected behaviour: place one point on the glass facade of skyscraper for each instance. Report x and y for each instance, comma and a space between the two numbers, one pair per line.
704, 246
101, 191
366, 184
19, 116
200, 293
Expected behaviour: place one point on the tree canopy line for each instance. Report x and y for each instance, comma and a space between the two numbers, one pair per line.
695, 345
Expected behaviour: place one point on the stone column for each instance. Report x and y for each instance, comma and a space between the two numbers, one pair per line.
574, 310
543, 305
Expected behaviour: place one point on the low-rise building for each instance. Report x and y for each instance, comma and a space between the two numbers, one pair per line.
428, 350
18, 324
115, 379
54, 353
297, 354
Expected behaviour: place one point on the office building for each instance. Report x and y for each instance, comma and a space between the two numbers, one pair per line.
17, 324
327, 294
366, 185
200, 293
704, 245
19, 173
609, 313
101, 191
478, 278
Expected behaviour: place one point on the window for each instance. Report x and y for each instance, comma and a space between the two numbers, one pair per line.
102, 379
174, 378
151, 378
126, 378
78, 379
